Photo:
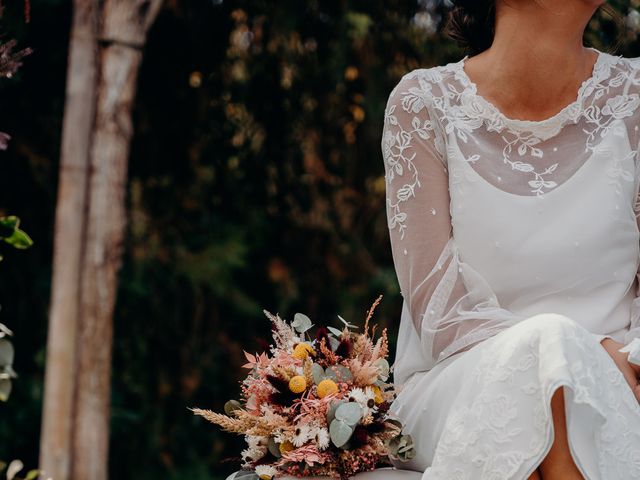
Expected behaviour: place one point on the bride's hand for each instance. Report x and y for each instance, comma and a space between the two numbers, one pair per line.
629, 370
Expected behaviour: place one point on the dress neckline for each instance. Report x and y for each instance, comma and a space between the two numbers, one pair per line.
550, 125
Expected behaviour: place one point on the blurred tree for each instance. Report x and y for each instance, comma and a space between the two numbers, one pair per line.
104, 56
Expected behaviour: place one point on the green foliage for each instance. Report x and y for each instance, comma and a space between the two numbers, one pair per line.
10, 233
14, 468
6, 367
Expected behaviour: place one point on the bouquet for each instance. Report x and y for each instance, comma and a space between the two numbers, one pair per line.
317, 406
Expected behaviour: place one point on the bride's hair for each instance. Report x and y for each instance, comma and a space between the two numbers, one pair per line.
471, 23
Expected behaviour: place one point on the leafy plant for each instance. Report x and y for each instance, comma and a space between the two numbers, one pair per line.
15, 467
10, 233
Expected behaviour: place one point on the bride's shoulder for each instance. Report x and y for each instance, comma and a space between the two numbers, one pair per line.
430, 81
630, 64
434, 74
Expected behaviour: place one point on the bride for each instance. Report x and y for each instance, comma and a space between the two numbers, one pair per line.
512, 182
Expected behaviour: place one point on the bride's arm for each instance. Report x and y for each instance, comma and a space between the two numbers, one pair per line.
626, 355
451, 305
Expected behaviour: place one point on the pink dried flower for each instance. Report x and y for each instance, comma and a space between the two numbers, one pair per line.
11, 61
308, 454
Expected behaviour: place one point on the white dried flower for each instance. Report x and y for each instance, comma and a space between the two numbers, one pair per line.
322, 438
266, 471
256, 448
303, 435
365, 398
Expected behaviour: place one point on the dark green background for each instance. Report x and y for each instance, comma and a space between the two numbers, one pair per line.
256, 181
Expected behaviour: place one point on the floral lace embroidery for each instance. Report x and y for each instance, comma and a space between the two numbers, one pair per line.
398, 152
456, 108
482, 428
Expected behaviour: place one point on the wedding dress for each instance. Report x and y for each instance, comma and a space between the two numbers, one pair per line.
516, 247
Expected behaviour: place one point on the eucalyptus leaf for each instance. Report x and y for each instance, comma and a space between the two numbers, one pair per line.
231, 406
333, 343
318, 373
347, 324
273, 448
331, 411
301, 323
331, 374
349, 412
340, 432
345, 373
6, 352
383, 366
335, 331
401, 448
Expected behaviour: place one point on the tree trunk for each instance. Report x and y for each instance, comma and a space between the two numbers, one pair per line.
90, 221
69, 242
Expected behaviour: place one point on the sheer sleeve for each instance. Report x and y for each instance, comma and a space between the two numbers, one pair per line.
634, 329
450, 306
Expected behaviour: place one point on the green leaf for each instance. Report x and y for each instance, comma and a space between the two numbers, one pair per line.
32, 474
401, 448
340, 432
331, 374
301, 323
19, 239
318, 373
232, 405
347, 324
349, 412
344, 373
335, 331
383, 367
10, 222
5, 389
273, 448
6, 352
331, 411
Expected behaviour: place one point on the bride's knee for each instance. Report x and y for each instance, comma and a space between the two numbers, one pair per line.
556, 323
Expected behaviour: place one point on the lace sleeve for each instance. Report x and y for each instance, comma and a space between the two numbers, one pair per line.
450, 306
634, 330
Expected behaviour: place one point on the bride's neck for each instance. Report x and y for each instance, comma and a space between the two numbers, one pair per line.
534, 39
537, 58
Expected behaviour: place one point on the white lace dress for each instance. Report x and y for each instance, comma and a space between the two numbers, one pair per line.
516, 246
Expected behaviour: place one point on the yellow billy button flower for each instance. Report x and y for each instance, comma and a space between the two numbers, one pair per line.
297, 384
264, 476
302, 351
327, 387
377, 394
286, 446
